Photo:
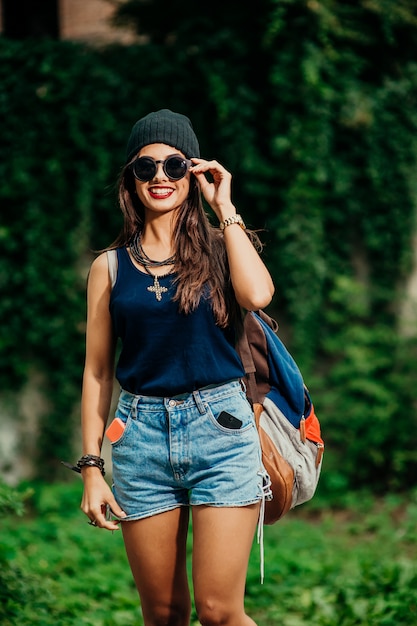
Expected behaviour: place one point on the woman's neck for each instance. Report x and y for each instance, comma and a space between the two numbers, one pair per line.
157, 235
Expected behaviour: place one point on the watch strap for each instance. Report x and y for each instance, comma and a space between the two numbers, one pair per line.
233, 219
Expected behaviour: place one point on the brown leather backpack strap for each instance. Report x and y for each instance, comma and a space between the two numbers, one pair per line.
258, 349
268, 320
249, 367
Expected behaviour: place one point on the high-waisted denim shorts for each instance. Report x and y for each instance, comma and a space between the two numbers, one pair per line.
173, 452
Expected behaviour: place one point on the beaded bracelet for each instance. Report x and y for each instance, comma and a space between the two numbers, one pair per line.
88, 460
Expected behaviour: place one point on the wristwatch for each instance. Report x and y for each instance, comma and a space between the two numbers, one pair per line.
234, 219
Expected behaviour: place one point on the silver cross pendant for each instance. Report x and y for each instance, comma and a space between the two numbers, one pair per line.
157, 289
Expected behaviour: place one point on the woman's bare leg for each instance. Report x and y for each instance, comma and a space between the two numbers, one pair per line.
222, 543
156, 549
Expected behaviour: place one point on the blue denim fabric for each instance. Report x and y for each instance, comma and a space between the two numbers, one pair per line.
173, 452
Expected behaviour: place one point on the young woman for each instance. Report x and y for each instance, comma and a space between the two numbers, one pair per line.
186, 441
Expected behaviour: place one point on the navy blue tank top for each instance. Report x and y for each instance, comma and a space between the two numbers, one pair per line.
165, 352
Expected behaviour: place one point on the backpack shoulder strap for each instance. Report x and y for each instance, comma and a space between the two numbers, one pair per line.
273, 324
112, 264
245, 354
253, 351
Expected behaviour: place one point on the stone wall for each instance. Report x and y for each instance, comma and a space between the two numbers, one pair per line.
90, 20
83, 20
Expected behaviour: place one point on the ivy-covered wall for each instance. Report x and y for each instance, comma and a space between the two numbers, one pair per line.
312, 106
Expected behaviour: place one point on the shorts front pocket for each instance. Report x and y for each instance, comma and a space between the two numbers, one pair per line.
232, 416
120, 425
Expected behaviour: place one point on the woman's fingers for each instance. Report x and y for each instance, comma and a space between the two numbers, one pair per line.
100, 506
216, 192
102, 518
201, 166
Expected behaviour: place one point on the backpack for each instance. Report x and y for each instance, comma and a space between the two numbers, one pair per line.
289, 430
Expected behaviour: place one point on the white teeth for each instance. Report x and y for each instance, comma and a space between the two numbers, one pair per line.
160, 192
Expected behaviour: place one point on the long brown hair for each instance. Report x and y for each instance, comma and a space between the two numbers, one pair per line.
200, 253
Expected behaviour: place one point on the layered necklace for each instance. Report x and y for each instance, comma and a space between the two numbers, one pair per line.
142, 258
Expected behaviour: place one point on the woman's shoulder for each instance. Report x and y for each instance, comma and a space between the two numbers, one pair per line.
99, 270
100, 263
105, 265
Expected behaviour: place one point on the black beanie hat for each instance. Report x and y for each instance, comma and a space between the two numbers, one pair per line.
163, 126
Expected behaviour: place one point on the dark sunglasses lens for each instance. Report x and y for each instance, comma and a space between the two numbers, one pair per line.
175, 167
144, 169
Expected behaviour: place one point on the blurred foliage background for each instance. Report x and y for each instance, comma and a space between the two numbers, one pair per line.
313, 107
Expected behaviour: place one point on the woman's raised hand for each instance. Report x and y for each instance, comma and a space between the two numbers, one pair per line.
218, 191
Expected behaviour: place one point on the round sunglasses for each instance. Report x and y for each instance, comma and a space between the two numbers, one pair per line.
175, 167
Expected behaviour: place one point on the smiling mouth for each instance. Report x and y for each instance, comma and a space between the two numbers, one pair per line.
160, 192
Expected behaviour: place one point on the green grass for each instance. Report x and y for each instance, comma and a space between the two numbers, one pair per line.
351, 566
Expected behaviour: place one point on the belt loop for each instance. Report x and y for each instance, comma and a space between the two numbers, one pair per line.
133, 404
199, 402
135, 407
